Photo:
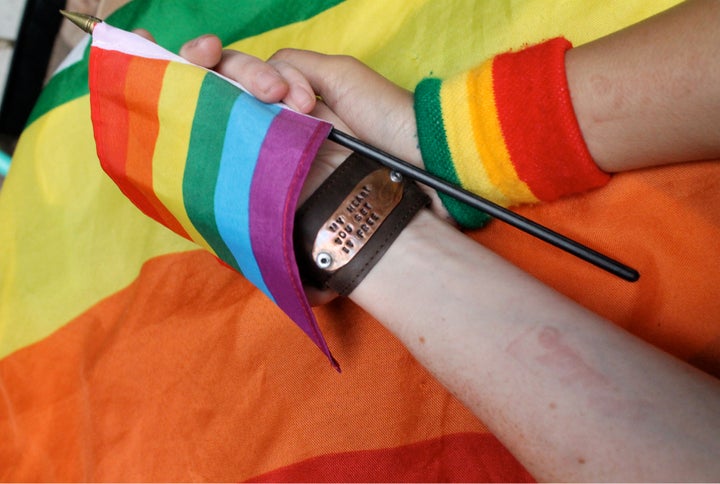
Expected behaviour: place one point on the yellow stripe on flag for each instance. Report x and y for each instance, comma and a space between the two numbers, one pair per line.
181, 86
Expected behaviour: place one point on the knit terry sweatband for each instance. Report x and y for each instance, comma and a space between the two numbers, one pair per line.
507, 131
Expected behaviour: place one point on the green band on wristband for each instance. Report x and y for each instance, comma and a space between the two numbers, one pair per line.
436, 153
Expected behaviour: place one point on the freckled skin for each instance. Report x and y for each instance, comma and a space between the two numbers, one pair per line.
613, 95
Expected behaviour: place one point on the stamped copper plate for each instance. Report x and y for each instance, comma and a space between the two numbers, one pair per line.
357, 218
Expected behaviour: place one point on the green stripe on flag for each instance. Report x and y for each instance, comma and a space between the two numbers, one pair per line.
215, 102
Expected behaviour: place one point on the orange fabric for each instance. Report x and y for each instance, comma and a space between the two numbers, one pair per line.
143, 127
245, 396
665, 222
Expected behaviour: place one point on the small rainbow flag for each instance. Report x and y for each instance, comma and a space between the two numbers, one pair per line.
201, 156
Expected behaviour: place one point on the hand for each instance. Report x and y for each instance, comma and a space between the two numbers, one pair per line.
268, 85
378, 111
375, 109
355, 98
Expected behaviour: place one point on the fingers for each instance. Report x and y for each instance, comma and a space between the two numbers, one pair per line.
300, 96
261, 79
377, 110
273, 81
205, 51
330, 76
268, 81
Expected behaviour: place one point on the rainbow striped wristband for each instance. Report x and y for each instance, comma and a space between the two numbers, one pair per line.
507, 131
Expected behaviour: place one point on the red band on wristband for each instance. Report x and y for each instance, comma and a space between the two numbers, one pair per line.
538, 122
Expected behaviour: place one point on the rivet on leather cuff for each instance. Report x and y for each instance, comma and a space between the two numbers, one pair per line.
350, 221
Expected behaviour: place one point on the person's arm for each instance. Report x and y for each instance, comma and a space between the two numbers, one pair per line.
646, 95
572, 396
650, 94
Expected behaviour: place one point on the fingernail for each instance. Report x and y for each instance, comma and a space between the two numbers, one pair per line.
196, 41
193, 42
305, 103
267, 80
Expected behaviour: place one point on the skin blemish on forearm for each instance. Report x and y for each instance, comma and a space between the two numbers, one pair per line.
568, 364
546, 353
546, 349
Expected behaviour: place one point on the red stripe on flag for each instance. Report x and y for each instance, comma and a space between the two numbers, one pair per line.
110, 118
467, 457
110, 109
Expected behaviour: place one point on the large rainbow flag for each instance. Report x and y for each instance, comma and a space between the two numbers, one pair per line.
128, 353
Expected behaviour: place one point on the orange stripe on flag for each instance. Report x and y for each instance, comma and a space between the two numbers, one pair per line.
142, 93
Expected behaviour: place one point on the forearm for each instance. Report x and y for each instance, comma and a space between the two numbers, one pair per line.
572, 396
650, 94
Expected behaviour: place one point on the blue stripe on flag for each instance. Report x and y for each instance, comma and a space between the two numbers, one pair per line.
248, 123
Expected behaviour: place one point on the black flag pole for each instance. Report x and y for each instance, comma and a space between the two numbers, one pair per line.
501, 213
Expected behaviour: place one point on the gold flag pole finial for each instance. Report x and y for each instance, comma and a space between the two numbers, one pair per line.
85, 22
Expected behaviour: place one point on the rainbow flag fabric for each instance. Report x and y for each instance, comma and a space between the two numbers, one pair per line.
201, 156
129, 353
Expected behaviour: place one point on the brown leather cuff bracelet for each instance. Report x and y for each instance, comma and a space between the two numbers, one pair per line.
346, 226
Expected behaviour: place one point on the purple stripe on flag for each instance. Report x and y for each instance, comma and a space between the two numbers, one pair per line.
287, 152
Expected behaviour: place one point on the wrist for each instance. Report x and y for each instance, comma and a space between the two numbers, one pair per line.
425, 252
506, 130
350, 221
